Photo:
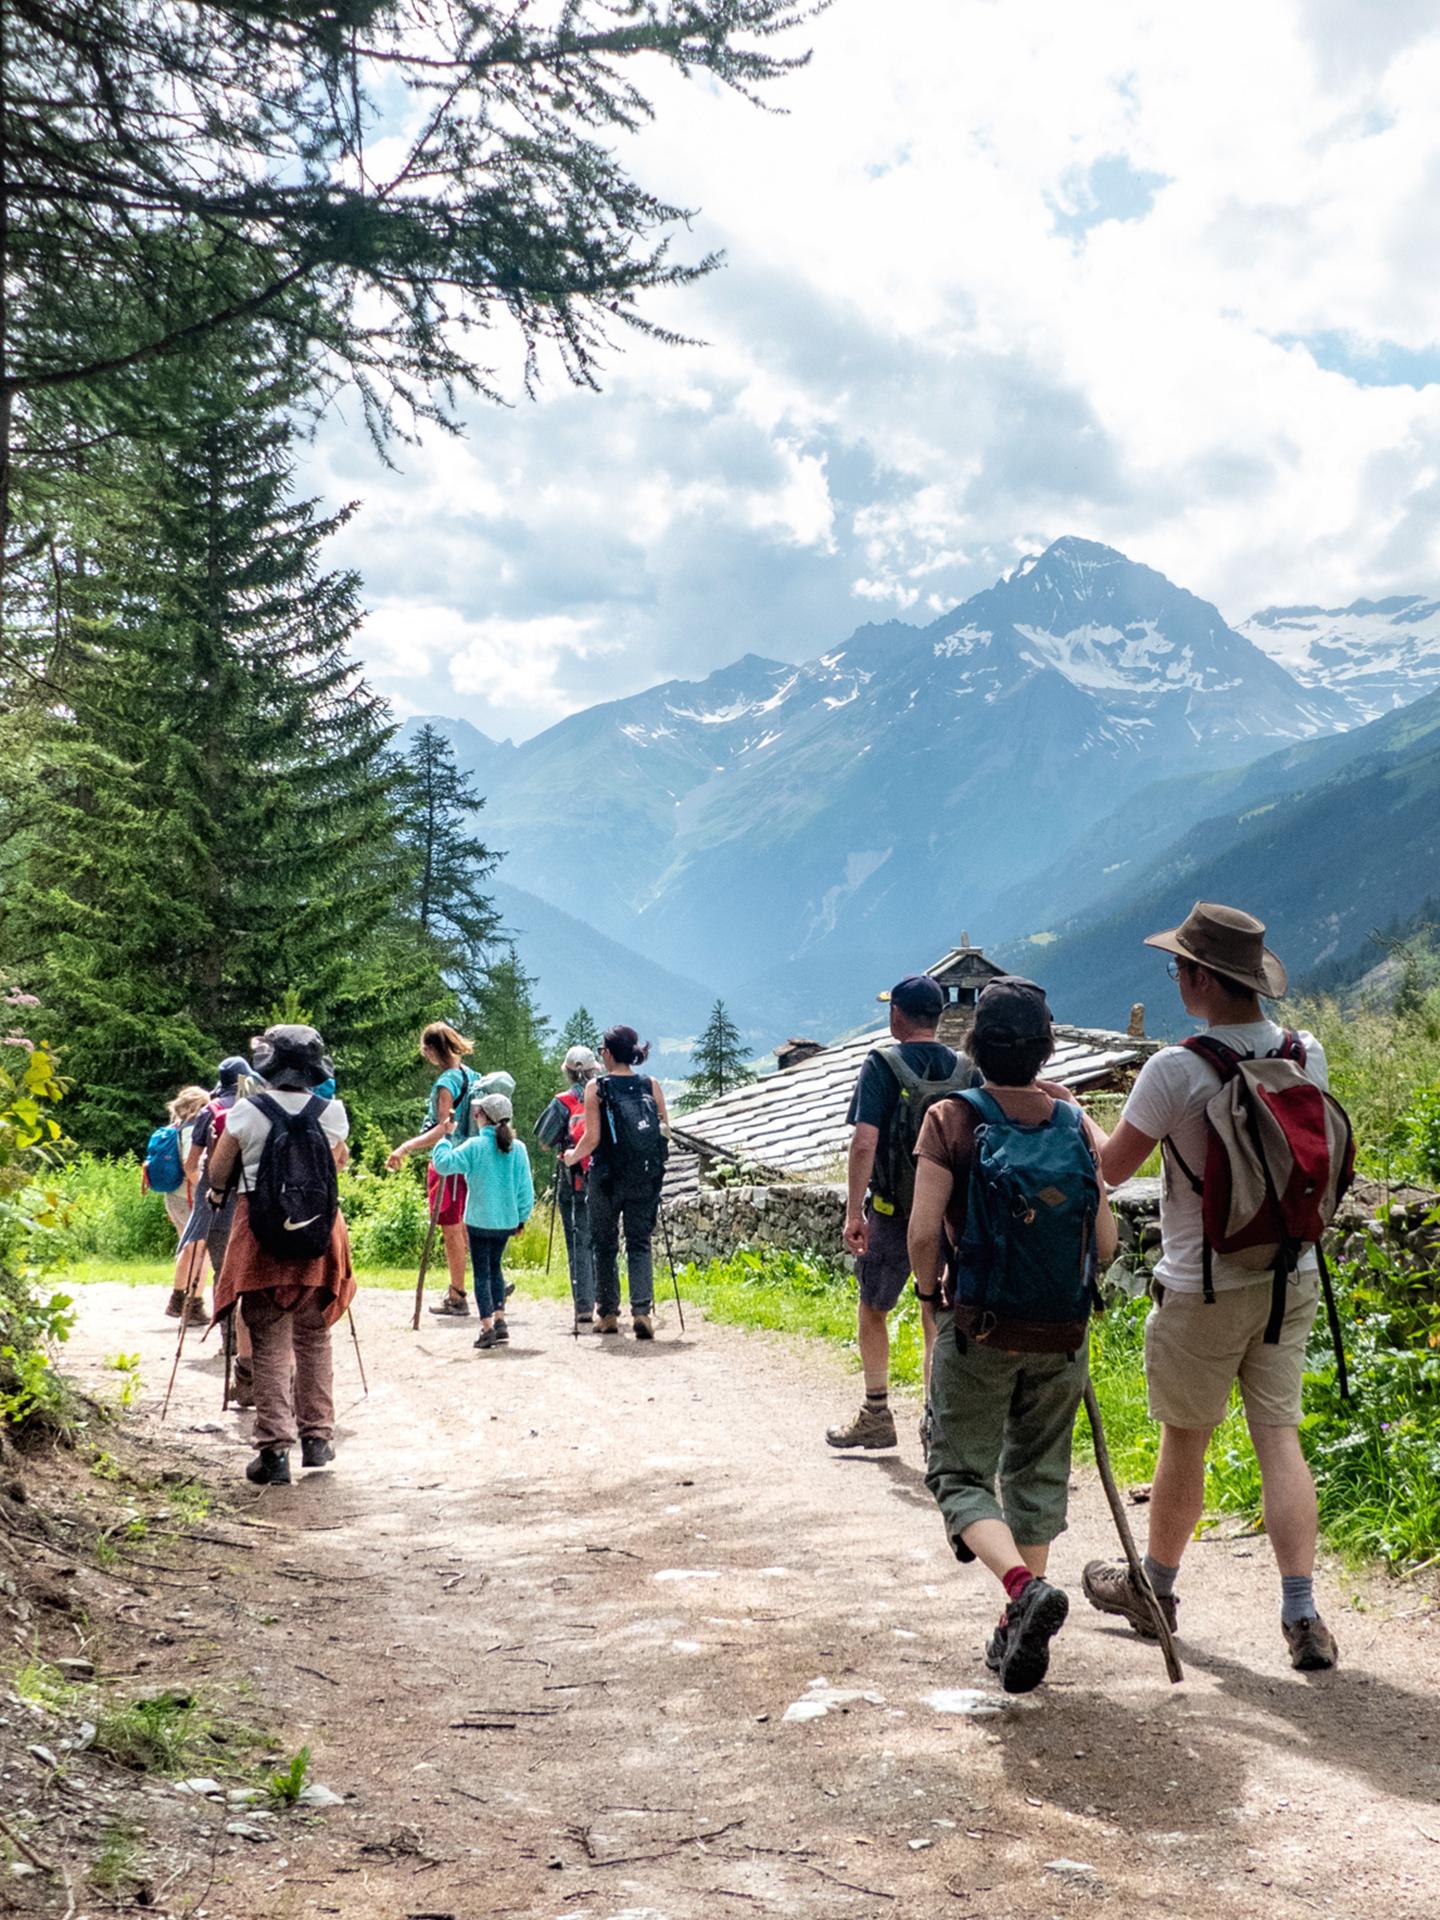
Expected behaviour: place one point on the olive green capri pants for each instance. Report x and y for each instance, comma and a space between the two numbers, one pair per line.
1006, 1417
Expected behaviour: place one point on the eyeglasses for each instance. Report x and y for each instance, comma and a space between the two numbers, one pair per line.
1177, 968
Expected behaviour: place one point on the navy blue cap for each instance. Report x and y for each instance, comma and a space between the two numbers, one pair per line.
918, 997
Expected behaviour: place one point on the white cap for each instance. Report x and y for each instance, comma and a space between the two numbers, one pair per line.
581, 1060
496, 1107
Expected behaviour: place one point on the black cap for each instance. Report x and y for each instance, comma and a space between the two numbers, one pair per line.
918, 997
1012, 1008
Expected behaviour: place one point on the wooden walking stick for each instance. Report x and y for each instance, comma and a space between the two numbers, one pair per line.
227, 1347
435, 1212
358, 1361
196, 1268
1127, 1539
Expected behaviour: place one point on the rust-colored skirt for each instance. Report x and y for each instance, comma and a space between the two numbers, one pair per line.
249, 1269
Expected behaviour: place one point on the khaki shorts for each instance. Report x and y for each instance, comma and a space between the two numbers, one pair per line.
1194, 1353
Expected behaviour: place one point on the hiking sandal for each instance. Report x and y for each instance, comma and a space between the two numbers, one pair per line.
455, 1306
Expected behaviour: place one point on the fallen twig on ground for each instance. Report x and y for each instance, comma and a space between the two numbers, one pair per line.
23, 1847
877, 1893
671, 1846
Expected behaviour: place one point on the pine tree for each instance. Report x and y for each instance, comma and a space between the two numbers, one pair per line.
718, 1061
579, 1030
213, 821
449, 863
511, 1033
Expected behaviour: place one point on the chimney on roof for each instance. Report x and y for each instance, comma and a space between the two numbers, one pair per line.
961, 975
794, 1052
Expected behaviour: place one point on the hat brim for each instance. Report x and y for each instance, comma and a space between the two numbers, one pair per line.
1272, 981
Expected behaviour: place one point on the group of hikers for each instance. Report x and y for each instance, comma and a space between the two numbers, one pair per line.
248, 1173
990, 1186
970, 1176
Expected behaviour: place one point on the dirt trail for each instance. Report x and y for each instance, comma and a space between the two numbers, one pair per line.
565, 1594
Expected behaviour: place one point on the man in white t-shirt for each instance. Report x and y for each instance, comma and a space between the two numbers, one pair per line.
1195, 1350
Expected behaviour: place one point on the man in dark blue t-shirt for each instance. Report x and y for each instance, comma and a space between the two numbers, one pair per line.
877, 1219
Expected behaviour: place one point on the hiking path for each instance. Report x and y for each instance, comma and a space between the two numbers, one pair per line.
547, 1622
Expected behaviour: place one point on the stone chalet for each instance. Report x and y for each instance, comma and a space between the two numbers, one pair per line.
791, 1124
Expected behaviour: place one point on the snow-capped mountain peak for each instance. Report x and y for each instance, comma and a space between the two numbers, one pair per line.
1379, 654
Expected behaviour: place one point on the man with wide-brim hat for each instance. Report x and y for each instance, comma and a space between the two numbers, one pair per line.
1196, 1348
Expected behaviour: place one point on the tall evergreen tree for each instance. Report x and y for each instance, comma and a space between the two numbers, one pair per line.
449, 863
580, 1030
718, 1062
214, 818
511, 1033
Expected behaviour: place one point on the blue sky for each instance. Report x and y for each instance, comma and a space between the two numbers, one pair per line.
1079, 270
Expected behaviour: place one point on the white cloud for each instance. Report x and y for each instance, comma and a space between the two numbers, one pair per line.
913, 374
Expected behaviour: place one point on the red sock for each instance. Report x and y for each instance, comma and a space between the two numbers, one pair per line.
1016, 1581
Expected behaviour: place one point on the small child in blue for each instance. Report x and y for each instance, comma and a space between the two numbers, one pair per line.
499, 1199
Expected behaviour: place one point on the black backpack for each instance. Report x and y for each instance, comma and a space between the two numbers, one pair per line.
634, 1148
296, 1197
893, 1178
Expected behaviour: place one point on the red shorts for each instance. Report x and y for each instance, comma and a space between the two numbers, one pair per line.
452, 1197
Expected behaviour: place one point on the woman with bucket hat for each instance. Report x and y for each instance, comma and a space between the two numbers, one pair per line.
290, 1303
1220, 1318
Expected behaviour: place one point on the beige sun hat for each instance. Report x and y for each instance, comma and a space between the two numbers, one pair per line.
1228, 942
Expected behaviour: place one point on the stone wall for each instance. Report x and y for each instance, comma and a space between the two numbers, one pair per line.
711, 1224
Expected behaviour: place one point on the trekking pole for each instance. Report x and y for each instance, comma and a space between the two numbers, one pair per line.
425, 1256
670, 1256
227, 1347
554, 1203
1127, 1539
196, 1268
358, 1361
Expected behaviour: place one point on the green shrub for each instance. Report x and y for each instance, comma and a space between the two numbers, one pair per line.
1421, 1123
386, 1217
104, 1213
1381, 1065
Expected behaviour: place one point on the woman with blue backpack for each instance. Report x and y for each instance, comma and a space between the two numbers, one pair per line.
1009, 1226
165, 1173
626, 1131
494, 1168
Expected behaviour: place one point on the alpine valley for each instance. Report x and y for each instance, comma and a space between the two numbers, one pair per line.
793, 837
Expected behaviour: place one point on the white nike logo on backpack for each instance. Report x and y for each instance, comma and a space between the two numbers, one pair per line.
294, 1226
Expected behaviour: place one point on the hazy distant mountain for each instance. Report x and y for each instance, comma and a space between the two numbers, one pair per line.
799, 834
1325, 845
1377, 654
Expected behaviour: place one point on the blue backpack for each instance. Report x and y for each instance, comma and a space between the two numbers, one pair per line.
164, 1171
1023, 1275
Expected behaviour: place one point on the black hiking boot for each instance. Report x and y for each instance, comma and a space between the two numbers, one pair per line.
270, 1468
1019, 1649
486, 1339
644, 1326
315, 1452
501, 1333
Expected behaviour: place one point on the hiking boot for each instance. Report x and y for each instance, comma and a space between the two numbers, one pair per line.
270, 1468
195, 1314
509, 1288
315, 1452
608, 1323
242, 1387
455, 1306
1019, 1649
868, 1429
584, 1323
176, 1304
1109, 1586
501, 1334
1312, 1645
486, 1339
644, 1325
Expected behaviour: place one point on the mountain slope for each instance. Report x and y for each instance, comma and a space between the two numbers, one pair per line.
1322, 865
576, 966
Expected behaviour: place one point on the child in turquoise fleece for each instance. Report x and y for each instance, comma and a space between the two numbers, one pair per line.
499, 1199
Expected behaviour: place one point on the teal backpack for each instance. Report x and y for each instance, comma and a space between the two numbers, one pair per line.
164, 1171
1023, 1275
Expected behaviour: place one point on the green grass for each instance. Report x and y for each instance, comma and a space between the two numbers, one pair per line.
116, 1871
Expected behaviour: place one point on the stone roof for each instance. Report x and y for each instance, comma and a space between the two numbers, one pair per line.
794, 1122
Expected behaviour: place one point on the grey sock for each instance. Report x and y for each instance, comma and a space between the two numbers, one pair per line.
1161, 1578
1297, 1597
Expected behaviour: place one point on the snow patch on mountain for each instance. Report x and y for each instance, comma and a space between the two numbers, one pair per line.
1380, 654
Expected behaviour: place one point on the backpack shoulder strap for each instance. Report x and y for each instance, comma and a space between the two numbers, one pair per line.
904, 1073
983, 1104
270, 1107
312, 1109
1291, 1047
1225, 1060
